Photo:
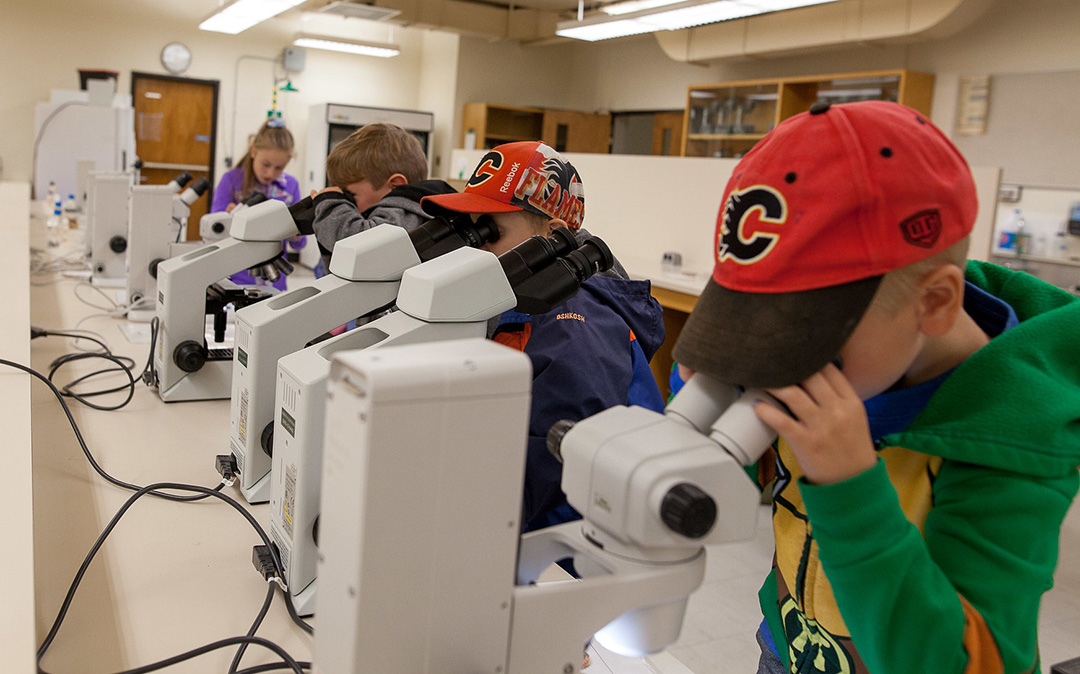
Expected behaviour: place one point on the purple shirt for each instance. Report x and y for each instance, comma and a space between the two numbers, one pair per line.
286, 188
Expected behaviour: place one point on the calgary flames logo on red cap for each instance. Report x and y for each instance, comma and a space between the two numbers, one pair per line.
734, 243
488, 166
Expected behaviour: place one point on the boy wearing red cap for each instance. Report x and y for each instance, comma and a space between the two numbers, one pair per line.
931, 449
588, 354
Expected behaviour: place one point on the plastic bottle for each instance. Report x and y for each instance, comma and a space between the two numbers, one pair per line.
55, 226
1011, 233
52, 197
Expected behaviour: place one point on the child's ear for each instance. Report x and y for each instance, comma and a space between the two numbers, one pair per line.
941, 299
554, 224
397, 180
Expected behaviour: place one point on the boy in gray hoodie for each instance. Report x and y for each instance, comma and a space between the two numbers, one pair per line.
377, 175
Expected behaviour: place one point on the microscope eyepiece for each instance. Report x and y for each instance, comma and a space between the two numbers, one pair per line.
442, 234
591, 258
536, 253
255, 198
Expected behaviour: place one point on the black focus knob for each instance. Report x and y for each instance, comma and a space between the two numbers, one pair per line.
267, 439
688, 511
154, 265
118, 244
189, 356
217, 227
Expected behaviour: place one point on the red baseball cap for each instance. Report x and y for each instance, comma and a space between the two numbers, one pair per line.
525, 176
812, 217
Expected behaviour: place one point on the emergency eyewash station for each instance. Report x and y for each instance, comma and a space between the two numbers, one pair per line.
174, 576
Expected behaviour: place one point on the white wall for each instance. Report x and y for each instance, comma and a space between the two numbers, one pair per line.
42, 44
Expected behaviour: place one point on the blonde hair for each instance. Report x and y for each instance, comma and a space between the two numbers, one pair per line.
275, 137
898, 286
374, 153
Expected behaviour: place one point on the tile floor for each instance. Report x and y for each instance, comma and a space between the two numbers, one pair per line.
718, 632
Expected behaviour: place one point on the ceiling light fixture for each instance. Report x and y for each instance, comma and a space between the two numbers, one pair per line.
629, 6
240, 15
378, 49
670, 16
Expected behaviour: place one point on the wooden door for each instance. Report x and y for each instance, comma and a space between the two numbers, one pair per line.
176, 131
667, 133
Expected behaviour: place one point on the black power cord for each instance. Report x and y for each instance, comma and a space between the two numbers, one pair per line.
151, 489
287, 660
122, 364
155, 490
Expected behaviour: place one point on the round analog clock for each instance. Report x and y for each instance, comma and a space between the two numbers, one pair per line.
176, 57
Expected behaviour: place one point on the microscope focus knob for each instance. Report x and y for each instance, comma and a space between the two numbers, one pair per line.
267, 439
217, 228
189, 356
688, 511
118, 244
153, 266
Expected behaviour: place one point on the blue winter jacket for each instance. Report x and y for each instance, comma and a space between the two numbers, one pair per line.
589, 354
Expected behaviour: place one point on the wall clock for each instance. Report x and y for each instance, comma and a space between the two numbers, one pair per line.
176, 57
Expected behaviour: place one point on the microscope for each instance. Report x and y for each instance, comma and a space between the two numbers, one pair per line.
195, 285
107, 223
449, 298
422, 565
215, 226
157, 217
365, 272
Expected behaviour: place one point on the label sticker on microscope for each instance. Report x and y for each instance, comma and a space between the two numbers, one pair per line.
241, 356
289, 504
288, 423
242, 426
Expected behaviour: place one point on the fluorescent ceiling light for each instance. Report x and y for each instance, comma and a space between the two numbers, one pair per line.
635, 6
686, 14
381, 50
243, 14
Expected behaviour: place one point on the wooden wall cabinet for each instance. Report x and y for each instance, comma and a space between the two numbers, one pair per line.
726, 119
564, 130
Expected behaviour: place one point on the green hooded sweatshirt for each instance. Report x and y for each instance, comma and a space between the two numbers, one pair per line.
936, 559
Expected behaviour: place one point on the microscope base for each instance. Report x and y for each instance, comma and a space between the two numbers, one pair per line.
212, 382
304, 601
141, 315
258, 492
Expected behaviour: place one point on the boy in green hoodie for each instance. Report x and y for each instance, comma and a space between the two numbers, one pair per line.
929, 449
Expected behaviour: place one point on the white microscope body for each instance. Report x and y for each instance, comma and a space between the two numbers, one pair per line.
422, 566
185, 368
106, 207
450, 297
157, 217
365, 271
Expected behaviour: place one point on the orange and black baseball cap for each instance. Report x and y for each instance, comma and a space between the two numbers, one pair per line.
812, 218
525, 176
